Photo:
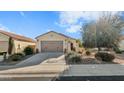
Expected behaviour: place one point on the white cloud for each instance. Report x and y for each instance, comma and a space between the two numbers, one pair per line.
70, 17
49, 30
22, 14
73, 28
75, 16
2, 27
71, 20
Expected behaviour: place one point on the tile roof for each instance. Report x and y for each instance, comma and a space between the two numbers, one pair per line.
56, 33
17, 37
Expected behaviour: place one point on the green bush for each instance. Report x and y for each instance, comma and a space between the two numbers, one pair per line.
16, 57
104, 56
88, 53
28, 50
1, 53
68, 55
117, 50
73, 58
20, 54
122, 51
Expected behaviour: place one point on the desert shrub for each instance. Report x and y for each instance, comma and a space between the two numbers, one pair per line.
104, 56
122, 51
73, 58
28, 50
16, 57
74, 49
80, 52
117, 50
68, 55
88, 53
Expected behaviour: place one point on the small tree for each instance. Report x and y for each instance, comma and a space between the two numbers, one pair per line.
88, 35
79, 42
28, 50
105, 32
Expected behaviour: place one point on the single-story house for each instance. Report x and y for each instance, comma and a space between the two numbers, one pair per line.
13, 43
121, 44
56, 42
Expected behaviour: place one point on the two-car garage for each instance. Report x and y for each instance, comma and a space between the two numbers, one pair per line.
55, 42
52, 46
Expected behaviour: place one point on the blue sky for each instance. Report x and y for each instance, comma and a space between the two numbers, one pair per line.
32, 24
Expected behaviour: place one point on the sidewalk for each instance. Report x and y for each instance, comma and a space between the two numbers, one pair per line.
95, 70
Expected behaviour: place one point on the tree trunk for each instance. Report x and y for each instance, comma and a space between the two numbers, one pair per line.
10, 46
99, 49
4, 56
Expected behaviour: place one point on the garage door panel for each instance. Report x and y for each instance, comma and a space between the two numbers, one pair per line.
52, 46
3, 46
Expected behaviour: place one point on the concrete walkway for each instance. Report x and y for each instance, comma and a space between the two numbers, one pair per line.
47, 70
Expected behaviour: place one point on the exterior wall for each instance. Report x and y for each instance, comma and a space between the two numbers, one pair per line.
51, 37
121, 45
75, 44
22, 45
4, 43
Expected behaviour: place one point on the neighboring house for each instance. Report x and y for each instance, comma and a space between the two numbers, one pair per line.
121, 44
56, 42
13, 43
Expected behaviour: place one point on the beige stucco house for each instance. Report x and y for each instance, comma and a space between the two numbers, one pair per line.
56, 42
18, 42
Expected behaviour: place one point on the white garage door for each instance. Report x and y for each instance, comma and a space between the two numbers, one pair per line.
52, 46
3, 46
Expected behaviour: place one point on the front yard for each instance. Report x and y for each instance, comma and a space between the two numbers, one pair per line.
11, 62
76, 58
15, 58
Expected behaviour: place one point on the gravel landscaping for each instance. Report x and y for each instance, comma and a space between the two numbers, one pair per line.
75, 58
94, 61
91, 60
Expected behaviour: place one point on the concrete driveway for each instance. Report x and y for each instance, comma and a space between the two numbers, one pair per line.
47, 70
38, 58
1, 58
34, 60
